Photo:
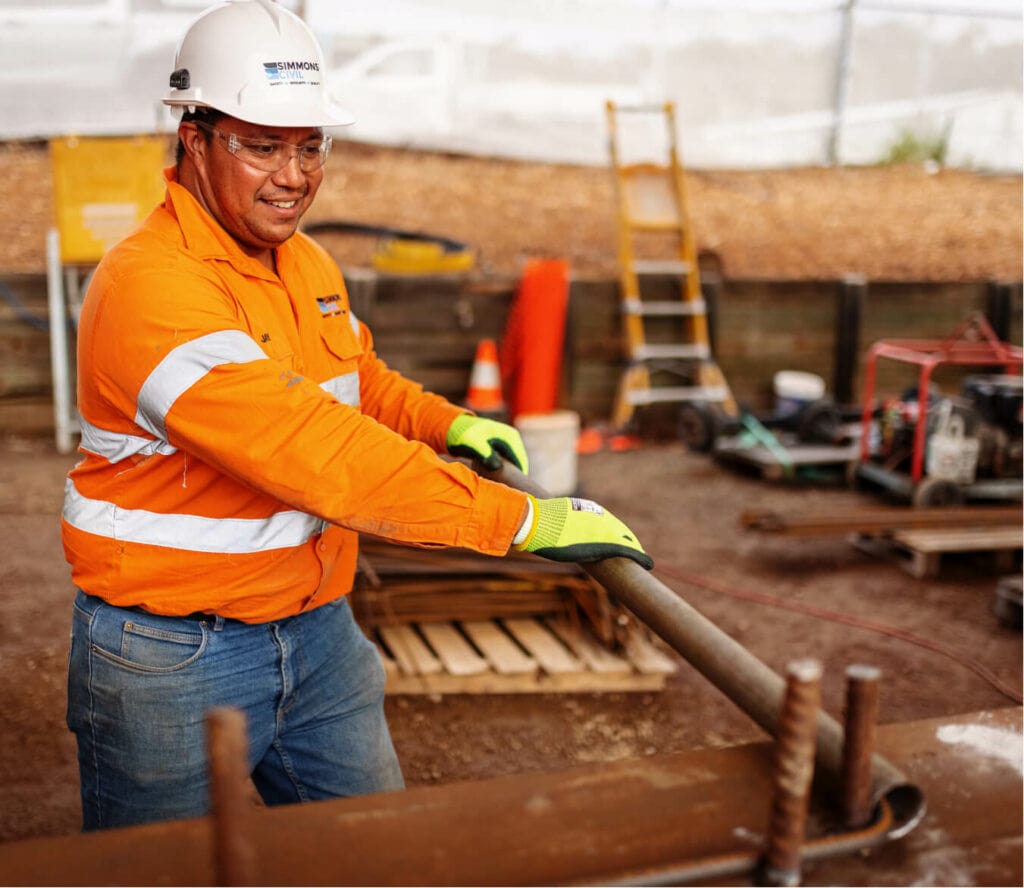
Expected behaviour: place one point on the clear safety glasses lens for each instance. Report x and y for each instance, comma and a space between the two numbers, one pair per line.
270, 155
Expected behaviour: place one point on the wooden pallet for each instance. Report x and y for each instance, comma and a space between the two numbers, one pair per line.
800, 460
920, 551
515, 656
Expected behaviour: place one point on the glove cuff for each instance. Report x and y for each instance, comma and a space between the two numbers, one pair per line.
549, 520
461, 422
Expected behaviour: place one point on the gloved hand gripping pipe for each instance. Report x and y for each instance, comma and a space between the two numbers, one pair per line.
743, 678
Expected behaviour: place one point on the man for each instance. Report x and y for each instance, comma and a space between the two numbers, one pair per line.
238, 433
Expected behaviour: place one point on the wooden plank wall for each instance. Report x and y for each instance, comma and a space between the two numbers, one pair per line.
428, 328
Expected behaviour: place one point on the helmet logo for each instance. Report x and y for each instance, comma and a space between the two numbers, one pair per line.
180, 79
289, 72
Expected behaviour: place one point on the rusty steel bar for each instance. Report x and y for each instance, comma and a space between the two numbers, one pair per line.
730, 667
228, 756
794, 770
876, 520
859, 743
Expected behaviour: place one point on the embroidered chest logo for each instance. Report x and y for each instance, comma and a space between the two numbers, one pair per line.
330, 306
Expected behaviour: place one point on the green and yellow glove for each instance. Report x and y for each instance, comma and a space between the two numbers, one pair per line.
571, 529
486, 440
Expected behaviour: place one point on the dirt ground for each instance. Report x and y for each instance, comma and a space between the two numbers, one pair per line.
685, 507
894, 224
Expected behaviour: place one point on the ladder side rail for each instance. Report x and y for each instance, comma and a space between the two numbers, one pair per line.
629, 282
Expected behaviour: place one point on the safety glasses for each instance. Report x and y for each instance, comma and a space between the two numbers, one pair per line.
270, 155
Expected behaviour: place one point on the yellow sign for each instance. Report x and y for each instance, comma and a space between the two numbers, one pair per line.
102, 188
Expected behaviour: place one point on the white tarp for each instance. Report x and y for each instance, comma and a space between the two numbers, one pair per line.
756, 84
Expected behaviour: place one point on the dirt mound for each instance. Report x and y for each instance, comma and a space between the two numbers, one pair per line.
896, 223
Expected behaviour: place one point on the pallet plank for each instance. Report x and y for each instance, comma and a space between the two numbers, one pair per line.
962, 539
598, 658
452, 649
436, 658
647, 659
409, 650
549, 652
504, 655
920, 552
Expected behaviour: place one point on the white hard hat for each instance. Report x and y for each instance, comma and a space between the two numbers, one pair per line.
256, 61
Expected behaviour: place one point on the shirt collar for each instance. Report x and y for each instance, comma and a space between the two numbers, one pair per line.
204, 235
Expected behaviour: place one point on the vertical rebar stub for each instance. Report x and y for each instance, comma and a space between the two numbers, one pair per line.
795, 743
859, 743
228, 751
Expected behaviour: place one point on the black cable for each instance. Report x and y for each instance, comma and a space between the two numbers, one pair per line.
337, 226
23, 314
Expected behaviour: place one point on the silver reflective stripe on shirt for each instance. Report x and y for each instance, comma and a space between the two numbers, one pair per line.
184, 367
233, 536
344, 388
115, 446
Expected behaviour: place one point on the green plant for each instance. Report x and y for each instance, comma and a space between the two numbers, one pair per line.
912, 148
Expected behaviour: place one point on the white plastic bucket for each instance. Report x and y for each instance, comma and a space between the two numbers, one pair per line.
951, 455
795, 389
550, 441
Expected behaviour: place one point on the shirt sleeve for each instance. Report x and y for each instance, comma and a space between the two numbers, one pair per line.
171, 351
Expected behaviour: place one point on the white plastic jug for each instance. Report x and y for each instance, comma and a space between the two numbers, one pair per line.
952, 455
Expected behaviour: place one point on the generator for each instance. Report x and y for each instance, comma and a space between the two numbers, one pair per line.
938, 450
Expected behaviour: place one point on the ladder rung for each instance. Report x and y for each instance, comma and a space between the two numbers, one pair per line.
642, 108
675, 307
655, 226
639, 397
660, 266
654, 351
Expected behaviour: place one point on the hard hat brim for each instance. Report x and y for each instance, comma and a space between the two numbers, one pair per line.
292, 114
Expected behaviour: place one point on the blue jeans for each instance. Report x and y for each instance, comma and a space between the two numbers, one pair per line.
139, 687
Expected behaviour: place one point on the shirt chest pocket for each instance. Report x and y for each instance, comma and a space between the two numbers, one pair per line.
341, 350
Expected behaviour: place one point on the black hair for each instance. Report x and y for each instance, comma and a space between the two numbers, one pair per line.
201, 114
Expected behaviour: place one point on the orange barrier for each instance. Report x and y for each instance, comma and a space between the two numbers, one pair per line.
531, 350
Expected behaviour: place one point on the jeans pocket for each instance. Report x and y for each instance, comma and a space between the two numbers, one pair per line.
143, 645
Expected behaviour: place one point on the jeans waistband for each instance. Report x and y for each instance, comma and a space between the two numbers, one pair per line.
197, 616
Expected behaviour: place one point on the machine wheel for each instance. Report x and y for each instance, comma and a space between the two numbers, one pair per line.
819, 422
698, 426
933, 492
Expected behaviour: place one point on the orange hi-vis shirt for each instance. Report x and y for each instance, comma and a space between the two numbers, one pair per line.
239, 431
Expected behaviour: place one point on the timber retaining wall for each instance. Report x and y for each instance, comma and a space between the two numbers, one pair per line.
428, 328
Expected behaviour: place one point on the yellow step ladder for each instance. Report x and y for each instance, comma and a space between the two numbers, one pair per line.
656, 239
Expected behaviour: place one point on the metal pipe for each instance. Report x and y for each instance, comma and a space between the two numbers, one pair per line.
228, 754
861, 721
842, 91
730, 667
794, 769
64, 424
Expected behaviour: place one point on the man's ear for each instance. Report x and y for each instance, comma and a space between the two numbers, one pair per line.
193, 141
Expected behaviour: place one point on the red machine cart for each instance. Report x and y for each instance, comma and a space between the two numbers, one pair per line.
973, 343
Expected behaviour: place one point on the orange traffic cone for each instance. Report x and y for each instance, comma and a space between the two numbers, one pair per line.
484, 396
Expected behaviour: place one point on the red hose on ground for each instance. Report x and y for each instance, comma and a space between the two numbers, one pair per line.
837, 617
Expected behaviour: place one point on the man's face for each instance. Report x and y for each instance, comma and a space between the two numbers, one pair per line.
258, 209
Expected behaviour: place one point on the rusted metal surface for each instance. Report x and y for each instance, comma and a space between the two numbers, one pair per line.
701, 816
877, 520
228, 759
859, 743
794, 769
730, 667
969, 766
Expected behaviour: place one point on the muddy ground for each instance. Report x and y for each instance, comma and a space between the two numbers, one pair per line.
888, 224
686, 509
